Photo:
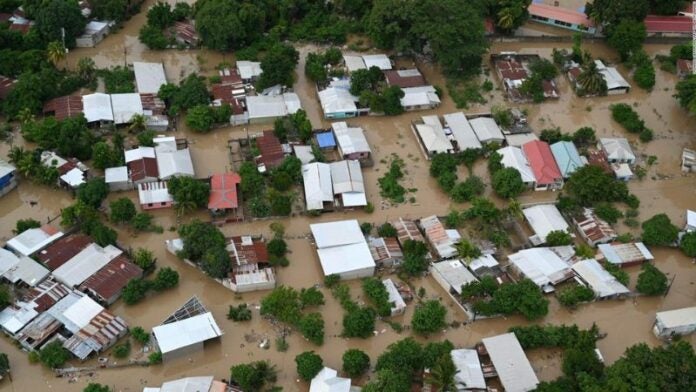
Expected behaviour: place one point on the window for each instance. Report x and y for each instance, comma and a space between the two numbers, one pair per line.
163, 204
149, 204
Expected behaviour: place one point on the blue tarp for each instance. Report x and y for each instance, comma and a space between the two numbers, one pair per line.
326, 140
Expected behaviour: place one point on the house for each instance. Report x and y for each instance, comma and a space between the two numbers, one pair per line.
353, 63
668, 26
486, 265
85, 264
304, 153
268, 108
337, 102
420, 98
108, 282
561, 17
224, 192
149, 77
72, 173
6, 86
62, 250
318, 188
173, 157
347, 183
469, 375
94, 33
154, 195
543, 219
192, 384
520, 139
452, 275
251, 268
352, 144
27, 307
8, 178
405, 78
567, 157
622, 171
486, 130
604, 284
431, 136
185, 34
688, 160
186, 330
462, 132
544, 167
325, 140
406, 230
67, 106
616, 84
380, 61
684, 68
513, 73
249, 70
32, 240
542, 266
593, 229
125, 106
21, 269
690, 221
617, 150
624, 255
327, 380
271, 151
342, 249
599, 158
511, 364
398, 306
512, 157
678, 322
441, 240
386, 251
117, 178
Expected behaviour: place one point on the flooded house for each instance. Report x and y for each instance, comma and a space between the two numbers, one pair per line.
616, 84
469, 375
543, 219
353, 63
32, 240
173, 157
561, 17
249, 71
688, 160
513, 157
624, 255
318, 188
431, 136
405, 78
95, 32
264, 109
72, 173
519, 139
337, 102
251, 269
386, 251
512, 70
117, 179
192, 384
62, 250
677, 322
107, 284
154, 195
398, 305
451, 275
547, 175
348, 184
380, 61
141, 164
420, 98
186, 330
567, 157
21, 270
441, 240
617, 149
604, 285
486, 130
303, 153
184, 33
461, 131
327, 380
342, 249
8, 177
668, 26
593, 229
149, 77
510, 363
540, 265
85, 264
224, 194
271, 153
326, 141
485, 265
352, 144
29, 305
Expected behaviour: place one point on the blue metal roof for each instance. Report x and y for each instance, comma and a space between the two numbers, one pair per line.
326, 140
567, 157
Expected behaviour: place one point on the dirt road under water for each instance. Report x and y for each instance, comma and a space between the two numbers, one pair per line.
627, 322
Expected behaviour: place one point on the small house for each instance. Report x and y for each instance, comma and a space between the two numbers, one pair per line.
62, 250
318, 188
511, 364
405, 78
94, 33
684, 68
149, 77
185, 34
561, 17
32, 240
271, 152
21, 270
622, 171
440, 239
486, 130
8, 177
452, 275
431, 136
249, 70
85, 264
461, 131
604, 284
154, 195
543, 219
469, 375
380, 61
668, 25
593, 229
251, 269
224, 193
327, 380
546, 172
398, 305
616, 84
677, 322
512, 157
268, 108
107, 284
347, 183
407, 230
117, 178
567, 157
617, 150
386, 251
325, 140
486, 265
420, 98
353, 62
624, 255
337, 102
352, 144
342, 249
192, 384
690, 221
540, 265
173, 157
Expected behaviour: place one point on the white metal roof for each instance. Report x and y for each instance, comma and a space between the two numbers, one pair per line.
350, 139
395, 297
337, 233
97, 107
34, 239
611, 76
419, 96
327, 380
513, 368
116, 174
540, 265
141, 152
677, 317
380, 61
625, 253
514, 157
519, 139
469, 373
462, 131
353, 63
455, 273
292, 102
173, 336
154, 193
83, 311
617, 148
545, 218
303, 153
149, 77
601, 282
346, 177
317, 185
125, 106
95, 26
345, 258
28, 271
170, 161
266, 106
433, 135
14, 319
85, 264
188, 384
487, 130
337, 100
485, 261
6, 168
249, 69
690, 220
622, 170
75, 177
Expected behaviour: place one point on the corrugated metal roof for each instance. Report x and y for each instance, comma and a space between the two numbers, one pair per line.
513, 368
97, 107
85, 264
617, 149
112, 278
462, 131
419, 96
405, 78
600, 281
542, 162
470, 374
545, 218
64, 249
350, 139
34, 239
183, 333
441, 239
594, 229
337, 100
318, 188
270, 148
154, 192
223, 191
433, 135
541, 265
249, 69
677, 317
149, 77
567, 157
560, 14
455, 273
380, 61
625, 253
407, 230
513, 157
487, 130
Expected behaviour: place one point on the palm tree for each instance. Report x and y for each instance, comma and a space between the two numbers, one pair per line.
590, 80
514, 209
138, 123
55, 52
16, 154
467, 250
441, 376
25, 116
506, 18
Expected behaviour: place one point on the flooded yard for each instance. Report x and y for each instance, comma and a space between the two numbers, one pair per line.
626, 322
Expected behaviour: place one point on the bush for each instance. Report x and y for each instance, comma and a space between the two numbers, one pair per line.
359, 323
429, 317
54, 354
646, 135
312, 328
389, 183
140, 335
240, 312
253, 376
563, 336
571, 296
331, 280
651, 281
558, 238
144, 259
23, 225
134, 291
607, 212
166, 279
122, 350
277, 247
355, 363
659, 231
645, 76
507, 183
386, 230
688, 244
154, 358
616, 271
377, 294
311, 297
309, 365
467, 190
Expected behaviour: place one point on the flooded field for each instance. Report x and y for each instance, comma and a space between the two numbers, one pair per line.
626, 322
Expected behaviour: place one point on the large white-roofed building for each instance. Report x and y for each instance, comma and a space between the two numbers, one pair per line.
462, 131
675, 322
625, 255
149, 77
268, 108
172, 161
97, 107
469, 374
342, 249
125, 106
542, 266
380, 61
16, 269
431, 136
543, 219
32, 240
598, 279
420, 98
511, 364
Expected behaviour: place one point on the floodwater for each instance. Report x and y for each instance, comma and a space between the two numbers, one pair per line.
626, 322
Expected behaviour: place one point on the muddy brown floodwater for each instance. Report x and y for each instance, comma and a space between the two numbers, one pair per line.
626, 322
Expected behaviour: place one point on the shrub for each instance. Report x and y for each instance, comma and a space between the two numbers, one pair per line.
240, 312
608, 212
140, 335
688, 244
355, 362
651, 281
386, 230
616, 271
558, 238
331, 280
359, 323
312, 328
308, 364
311, 297
571, 296
154, 358
122, 350
659, 230
54, 354
429, 318
467, 190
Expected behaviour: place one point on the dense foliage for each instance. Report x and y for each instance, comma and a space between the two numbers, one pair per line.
308, 364
651, 281
355, 362
429, 317
523, 297
253, 376
659, 230
571, 296
629, 119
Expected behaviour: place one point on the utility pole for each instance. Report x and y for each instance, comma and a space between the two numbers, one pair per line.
693, 37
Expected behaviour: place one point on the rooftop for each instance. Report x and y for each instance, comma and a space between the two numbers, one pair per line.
617, 148
270, 148
64, 249
594, 229
405, 78
560, 14
380, 61
85, 264
341, 246
433, 135
542, 266
600, 281
545, 218
247, 250
154, 193
32, 240
223, 191
455, 273
350, 139
337, 100
567, 157
22, 268
268, 107
513, 368
419, 96
347, 182
625, 253
249, 69
469, 373
407, 230
667, 24
462, 131
64, 107
513, 157
318, 188
149, 77
677, 317
441, 239
486, 130
186, 332
541, 161
108, 281
172, 161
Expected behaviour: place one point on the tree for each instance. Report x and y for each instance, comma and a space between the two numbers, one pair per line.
359, 323
122, 350
627, 37
224, 25
253, 376
467, 250
160, 15
135, 290
575, 294
651, 281
5, 296
122, 210
392, 101
278, 66
281, 204
93, 192
584, 136
199, 237
54, 17
216, 262
429, 317
509, 14
312, 328
54, 354
166, 279
239, 313
283, 303
309, 365
378, 295
578, 361
104, 156
142, 221
189, 193
645, 76
405, 355
558, 238
55, 52
140, 335
507, 183
442, 374
311, 297
110, 9
414, 257
355, 362
153, 37
686, 93
389, 380
688, 244
23, 225
590, 185
591, 81
386, 230
94, 387
467, 190
611, 12
659, 231
200, 118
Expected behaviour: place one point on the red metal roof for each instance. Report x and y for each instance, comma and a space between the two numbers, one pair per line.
6, 86
561, 14
245, 253
112, 278
541, 161
21, 27
47, 294
223, 191
152, 102
599, 158
225, 93
64, 107
271, 149
64, 249
395, 79
142, 168
667, 24
231, 76
186, 32
511, 69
